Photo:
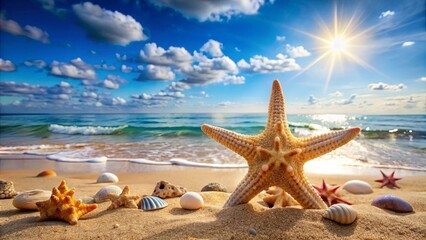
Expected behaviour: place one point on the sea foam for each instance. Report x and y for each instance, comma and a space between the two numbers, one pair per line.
84, 130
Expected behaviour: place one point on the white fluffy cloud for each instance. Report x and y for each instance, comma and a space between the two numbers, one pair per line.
7, 66
126, 69
107, 26
348, 101
37, 93
407, 44
261, 64
312, 100
212, 10
174, 56
384, 86
213, 47
280, 38
49, 5
422, 79
207, 71
35, 63
296, 52
386, 14
153, 72
28, 31
177, 87
76, 68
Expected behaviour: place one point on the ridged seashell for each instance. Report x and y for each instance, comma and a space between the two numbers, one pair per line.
341, 213
6, 189
107, 178
216, 187
150, 203
392, 203
27, 200
164, 189
47, 173
357, 187
191, 201
101, 195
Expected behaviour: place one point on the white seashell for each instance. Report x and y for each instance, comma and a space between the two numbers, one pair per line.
191, 200
101, 195
341, 213
357, 187
149, 203
107, 178
27, 200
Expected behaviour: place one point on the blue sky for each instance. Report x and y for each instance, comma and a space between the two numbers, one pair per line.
360, 57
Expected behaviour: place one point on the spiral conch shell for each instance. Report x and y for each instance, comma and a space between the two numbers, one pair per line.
341, 213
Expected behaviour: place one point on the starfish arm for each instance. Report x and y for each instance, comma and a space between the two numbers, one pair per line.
316, 146
276, 111
242, 144
252, 184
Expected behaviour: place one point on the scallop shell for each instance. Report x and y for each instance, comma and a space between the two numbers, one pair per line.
341, 213
27, 200
47, 173
149, 203
107, 178
191, 201
392, 203
357, 187
101, 195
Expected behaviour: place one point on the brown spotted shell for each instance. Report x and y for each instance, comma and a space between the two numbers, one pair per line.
341, 213
165, 189
6, 189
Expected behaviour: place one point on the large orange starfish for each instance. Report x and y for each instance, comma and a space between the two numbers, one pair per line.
275, 157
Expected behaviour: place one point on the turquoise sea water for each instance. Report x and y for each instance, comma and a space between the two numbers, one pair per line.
391, 141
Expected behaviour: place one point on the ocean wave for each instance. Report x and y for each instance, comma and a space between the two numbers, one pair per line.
84, 130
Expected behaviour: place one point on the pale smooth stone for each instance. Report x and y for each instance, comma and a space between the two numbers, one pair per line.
27, 200
101, 195
357, 187
191, 201
107, 178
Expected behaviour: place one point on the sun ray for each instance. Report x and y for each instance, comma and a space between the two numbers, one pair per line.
317, 60
340, 43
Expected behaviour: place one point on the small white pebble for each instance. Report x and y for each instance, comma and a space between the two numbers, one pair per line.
116, 225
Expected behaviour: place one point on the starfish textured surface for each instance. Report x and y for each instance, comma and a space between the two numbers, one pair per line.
275, 157
328, 194
388, 180
124, 199
62, 205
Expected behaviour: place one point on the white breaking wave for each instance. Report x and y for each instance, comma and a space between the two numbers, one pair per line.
64, 158
87, 130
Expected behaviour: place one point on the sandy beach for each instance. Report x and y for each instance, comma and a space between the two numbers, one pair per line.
212, 221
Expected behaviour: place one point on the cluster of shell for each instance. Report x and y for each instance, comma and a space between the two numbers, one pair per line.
341, 213
164, 189
6, 189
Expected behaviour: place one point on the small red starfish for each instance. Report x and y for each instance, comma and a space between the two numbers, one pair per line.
388, 180
329, 195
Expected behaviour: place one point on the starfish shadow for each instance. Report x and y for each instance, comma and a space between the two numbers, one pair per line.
247, 215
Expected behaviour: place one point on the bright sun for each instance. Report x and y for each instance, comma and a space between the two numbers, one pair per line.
340, 42
337, 44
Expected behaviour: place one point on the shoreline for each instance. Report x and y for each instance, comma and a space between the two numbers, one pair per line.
12, 162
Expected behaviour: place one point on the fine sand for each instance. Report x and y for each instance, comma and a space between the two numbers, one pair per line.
212, 221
